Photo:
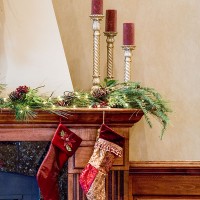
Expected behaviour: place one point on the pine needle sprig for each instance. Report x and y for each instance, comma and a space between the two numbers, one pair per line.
33, 100
145, 111
117, 99
24, 113
81, 99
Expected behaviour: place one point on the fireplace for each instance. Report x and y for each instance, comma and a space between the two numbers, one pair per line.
85, 123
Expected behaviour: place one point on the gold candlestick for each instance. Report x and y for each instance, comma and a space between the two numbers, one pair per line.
110, 45
96, 50
127, 61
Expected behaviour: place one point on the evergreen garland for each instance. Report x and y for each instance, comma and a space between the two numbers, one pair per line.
25, 101
133, 95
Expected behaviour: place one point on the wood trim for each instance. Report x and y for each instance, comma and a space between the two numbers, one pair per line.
164, 180
164, 164
44, 125
77, 117
178, 197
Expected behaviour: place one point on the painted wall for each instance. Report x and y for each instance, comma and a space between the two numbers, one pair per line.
31, 50
167, 58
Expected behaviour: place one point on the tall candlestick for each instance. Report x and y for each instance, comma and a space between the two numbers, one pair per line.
97, 7
110, 32
110, 46
127, 61
111, 21
96, 16
96, 26
128, 47
128, 34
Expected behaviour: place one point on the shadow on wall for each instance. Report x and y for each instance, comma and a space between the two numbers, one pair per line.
3, 65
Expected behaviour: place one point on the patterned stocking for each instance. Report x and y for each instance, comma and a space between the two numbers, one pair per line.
108, 147
63, 145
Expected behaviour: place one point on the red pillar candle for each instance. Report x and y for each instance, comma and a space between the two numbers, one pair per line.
128, 34
111, 21
97, 7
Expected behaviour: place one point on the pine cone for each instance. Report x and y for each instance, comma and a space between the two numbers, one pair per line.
68, 97
14, 96
61, 103
100, 93
19, 93
22, 89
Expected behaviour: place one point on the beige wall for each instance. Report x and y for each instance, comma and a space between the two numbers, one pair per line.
31, 50
167, 58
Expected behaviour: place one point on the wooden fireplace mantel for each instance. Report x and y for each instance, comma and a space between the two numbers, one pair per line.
42, 127
83, 122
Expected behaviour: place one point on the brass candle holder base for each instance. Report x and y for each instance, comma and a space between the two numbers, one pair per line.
127, 61
110, 45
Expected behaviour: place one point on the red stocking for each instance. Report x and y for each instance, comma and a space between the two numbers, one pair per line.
63, 145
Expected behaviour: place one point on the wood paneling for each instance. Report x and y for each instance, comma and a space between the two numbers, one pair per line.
116, 186
166, 198
79, 160
117, 179
164, 180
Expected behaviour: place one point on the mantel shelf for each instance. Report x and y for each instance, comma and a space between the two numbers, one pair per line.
43, 126
78, 116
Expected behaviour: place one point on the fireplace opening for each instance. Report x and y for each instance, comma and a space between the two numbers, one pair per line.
19, 162
15, 186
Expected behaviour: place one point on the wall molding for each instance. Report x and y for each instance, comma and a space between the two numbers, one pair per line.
164, 180
165, 166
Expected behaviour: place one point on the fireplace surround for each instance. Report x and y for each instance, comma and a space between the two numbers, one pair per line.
84, 122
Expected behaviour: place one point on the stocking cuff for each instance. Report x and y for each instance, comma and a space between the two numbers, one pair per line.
66, 140
109, 146
110, 135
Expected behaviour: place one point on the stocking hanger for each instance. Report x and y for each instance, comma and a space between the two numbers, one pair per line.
60, 120
103, 117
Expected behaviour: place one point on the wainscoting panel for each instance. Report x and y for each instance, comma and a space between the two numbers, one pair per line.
166, 198
164, 180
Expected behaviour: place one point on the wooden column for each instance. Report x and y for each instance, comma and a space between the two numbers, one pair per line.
85, 123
